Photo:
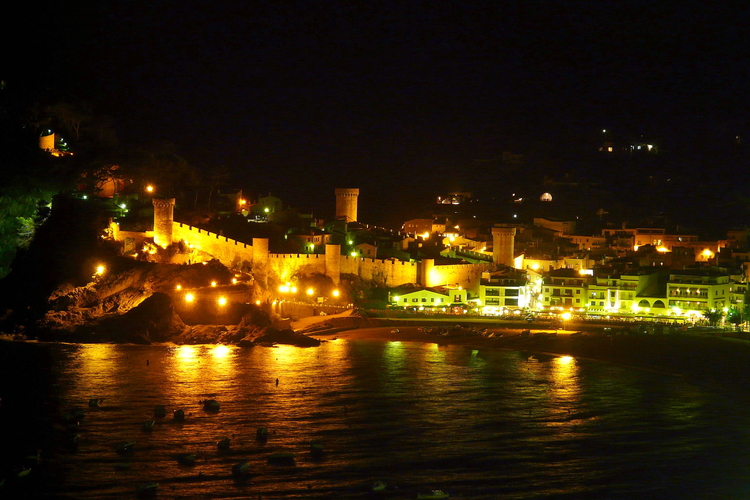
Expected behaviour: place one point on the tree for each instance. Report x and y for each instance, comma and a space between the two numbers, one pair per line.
713, 316
735, 317
218, 176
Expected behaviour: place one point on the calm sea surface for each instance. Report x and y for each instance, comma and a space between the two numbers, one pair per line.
485, 424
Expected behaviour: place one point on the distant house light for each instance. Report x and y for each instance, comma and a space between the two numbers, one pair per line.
546, 197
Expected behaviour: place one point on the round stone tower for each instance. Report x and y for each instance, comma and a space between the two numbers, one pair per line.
163, 221
503, 245
346, 204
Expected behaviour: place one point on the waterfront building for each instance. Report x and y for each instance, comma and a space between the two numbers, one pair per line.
433, 298
504, 291
696, 290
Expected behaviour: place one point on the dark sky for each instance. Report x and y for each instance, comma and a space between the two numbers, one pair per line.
394, 97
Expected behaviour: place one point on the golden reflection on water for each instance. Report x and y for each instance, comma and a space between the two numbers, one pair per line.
565, 389
192, 371
98, 366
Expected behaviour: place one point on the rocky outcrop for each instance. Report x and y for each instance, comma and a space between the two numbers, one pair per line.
134, 305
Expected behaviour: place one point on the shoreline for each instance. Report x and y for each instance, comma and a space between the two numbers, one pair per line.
699, 359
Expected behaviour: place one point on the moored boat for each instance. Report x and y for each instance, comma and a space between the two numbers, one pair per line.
125, 447
147, 489
281, 458
186, 459
160, 411
241, 469
261, 434
379, 486
224, 443
433, 495
316, 449
211, 405
148, 425
179, 415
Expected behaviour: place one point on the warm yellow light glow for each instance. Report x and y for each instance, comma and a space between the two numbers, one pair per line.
189, 297
335, 293
242, 201
150, 188
662, 249
100, 269
178, 287
708, 253
284, 288
222, 301
534, 266
234, 281
310, 291
426, 235
220, 351
395, 298
213, 283
293, 289
257, 302
566, 316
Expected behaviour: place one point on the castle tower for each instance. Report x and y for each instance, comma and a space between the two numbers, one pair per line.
260, 251
503, 245
333, 263
163, 221
346, 204
427, 273
47, 142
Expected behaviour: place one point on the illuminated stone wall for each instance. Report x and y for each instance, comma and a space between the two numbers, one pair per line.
229, 252
387, 272
283, 267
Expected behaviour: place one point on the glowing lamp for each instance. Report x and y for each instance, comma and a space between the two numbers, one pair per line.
213, 283
178, 287
310, 291
149, 188
100, 270
222, 301
335, 293
189, 297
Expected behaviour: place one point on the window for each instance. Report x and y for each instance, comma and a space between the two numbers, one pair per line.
424, 300
415, 300
456, 298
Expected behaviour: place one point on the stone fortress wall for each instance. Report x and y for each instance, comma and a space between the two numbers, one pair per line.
256, 256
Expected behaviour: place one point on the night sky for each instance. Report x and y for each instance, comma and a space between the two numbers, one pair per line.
402, 99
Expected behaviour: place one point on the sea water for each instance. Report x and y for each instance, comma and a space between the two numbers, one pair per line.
478, 424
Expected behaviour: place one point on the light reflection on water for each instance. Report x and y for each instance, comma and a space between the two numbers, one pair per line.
478, 423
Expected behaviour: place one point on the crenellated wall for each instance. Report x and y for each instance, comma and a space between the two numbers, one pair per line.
389, 272
228, 251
